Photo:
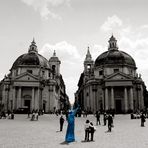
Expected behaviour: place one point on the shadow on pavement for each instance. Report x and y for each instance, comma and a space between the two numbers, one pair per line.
64, 143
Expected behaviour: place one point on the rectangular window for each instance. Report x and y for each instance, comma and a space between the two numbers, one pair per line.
43, 73
49, 75
29, 71
116, 70
101, 72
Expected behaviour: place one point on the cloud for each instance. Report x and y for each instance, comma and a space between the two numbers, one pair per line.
65, 50
144, 27
111, 22
44, 7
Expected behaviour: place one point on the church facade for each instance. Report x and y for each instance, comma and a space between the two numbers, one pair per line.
111, 82
34, 83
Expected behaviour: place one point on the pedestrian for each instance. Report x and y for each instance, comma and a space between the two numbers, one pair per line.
143, 119
86, 127
12, 115
36, 115
28, 113
61, 123
98, 118
33, 116
104, 118
110, 122
91, 131
70, 135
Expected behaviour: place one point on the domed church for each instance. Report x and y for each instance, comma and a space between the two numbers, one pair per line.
111, 82
34, 83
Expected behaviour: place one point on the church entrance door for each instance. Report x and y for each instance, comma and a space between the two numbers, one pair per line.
27, 103
118, 106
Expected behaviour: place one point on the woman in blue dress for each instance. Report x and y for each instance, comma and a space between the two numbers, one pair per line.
70, 136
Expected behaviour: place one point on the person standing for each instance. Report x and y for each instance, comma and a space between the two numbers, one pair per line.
142, 119
104, 118
110, 122
70, 136
36, 115
98, 118
61, 123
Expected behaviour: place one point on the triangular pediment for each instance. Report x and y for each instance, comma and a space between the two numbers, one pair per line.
119, 76
26, 77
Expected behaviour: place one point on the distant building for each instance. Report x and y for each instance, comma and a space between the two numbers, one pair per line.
111, 82
34, 83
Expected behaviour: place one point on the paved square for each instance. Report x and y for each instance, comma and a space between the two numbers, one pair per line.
23, 133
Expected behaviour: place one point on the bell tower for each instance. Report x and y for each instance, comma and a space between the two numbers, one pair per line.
88, 64
55, 64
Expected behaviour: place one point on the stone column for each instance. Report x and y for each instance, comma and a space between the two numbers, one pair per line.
141, 99
32, 100
19, 98
106, 98
125, 100
38, 98
138, 94
112, 98
14, 98
41, 99
131, 99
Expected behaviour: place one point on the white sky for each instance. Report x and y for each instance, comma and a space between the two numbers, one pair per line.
69, 26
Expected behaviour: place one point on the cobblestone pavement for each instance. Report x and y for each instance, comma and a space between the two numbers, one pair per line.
23, 133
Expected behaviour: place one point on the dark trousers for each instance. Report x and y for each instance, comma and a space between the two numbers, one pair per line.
61, 126
86, 135
109, 128
92, 136
142, 123
98, 120
104, 121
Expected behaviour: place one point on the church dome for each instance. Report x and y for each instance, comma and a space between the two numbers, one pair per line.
114, 56
31, 58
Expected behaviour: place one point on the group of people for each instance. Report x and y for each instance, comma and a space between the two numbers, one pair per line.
106, 117
141, 116
89, 130
89, 127
34, 115
9, 115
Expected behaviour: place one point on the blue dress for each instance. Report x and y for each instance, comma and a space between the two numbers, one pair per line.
70, 136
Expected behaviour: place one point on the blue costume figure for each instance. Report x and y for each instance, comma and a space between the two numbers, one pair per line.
70, 136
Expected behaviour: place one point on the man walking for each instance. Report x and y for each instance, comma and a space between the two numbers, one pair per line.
110, 122
61, 123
